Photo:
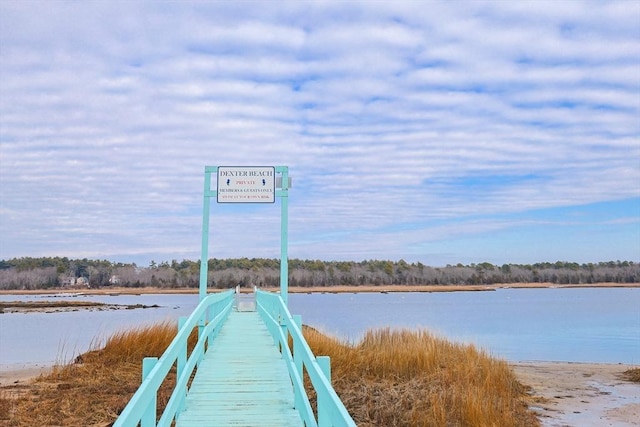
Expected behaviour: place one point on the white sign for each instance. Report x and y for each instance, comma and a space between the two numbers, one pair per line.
246, 184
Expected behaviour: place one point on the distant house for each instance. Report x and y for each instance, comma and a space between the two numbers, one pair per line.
114, 280
67, 281
74, 282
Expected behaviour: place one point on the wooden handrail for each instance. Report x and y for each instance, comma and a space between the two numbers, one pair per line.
281, 325
209, 317
141, 409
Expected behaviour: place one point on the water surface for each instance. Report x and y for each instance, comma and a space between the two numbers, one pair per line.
49, 338
579, 325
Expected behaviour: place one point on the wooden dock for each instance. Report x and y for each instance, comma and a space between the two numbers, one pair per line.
242, 380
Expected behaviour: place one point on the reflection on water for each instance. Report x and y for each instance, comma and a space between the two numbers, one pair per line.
585, 325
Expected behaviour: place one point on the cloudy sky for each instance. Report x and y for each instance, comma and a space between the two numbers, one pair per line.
439, 132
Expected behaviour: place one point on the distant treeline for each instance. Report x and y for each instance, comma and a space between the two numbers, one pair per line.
42, 273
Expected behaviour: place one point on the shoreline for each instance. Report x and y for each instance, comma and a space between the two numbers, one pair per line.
561, 393
64, 306
20, 374
580, 394
317, 289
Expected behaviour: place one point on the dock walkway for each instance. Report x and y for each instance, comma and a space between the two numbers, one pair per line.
242, 380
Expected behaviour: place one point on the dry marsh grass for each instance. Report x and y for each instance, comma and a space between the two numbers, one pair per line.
93, 390
412, 378
390, 378
632, 375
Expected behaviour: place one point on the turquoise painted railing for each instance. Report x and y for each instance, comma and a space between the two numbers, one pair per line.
281, 325
209, 316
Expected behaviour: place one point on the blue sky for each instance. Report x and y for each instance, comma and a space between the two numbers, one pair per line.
439, 132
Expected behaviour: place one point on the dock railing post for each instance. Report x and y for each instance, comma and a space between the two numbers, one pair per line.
181, 362
324, 419
297, 346
285, 334
149, 417
182, 357
325, 365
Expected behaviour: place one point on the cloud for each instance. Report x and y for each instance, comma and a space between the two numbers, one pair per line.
391, 116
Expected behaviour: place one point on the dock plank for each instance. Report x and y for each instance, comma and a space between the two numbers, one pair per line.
242, 380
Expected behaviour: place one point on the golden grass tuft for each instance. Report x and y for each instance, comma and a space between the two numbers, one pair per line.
133, 345
93, 390
412, 378
632, 375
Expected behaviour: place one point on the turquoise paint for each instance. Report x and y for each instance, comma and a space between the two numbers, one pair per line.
149, 417
283, 194
284, 233
242, 380
181, 364
332, 411
279, 332
247, 376
204, 252
212, 310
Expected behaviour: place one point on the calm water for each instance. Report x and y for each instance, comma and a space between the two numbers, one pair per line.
49, 338
582, 325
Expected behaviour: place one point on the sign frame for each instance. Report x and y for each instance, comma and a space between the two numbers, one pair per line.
282, 184
246, 184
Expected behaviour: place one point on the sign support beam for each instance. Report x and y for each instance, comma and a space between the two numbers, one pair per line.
204, 252
283, 193
253, 181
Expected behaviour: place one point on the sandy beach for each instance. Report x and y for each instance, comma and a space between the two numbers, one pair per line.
581, 394
21, 375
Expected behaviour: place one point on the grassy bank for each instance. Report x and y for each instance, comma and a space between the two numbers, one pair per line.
390, 378
411, 378
93, 390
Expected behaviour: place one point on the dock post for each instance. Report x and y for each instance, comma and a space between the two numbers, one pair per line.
325, 365
149, 417
297, 346
181, 361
